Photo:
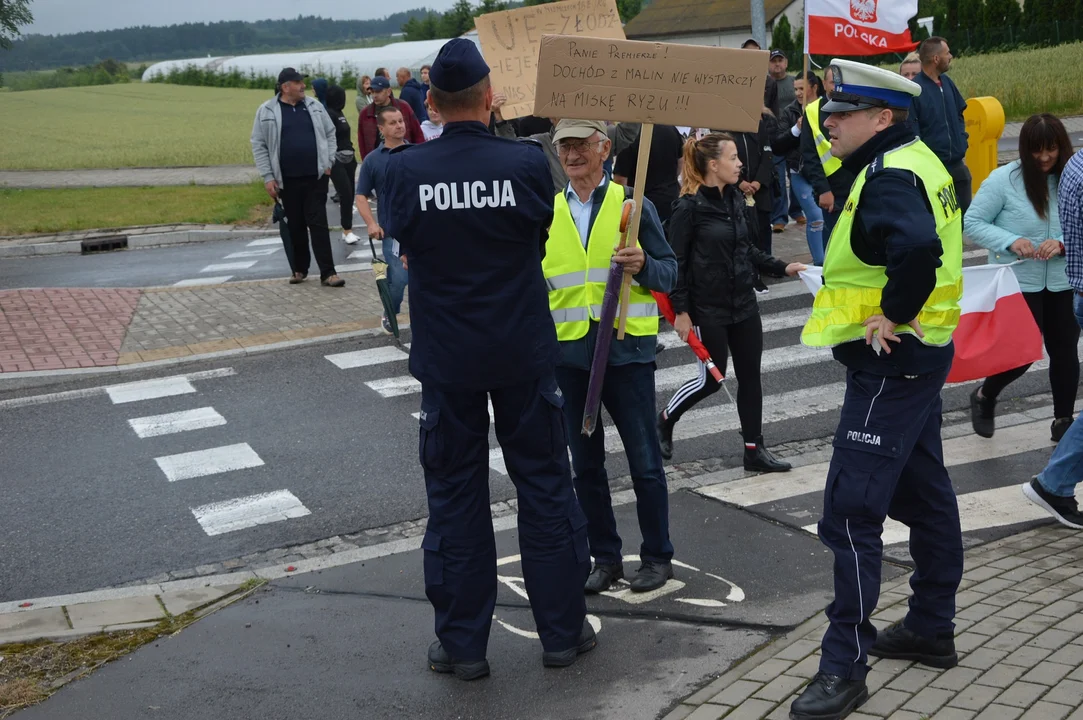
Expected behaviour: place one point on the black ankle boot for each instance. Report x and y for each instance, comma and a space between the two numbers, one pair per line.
760, 459
829, 697
665, 436
983, 412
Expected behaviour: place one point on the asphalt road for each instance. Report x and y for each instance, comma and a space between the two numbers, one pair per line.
89, 503
210, 262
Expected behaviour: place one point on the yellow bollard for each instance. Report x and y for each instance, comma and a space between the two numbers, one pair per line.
984, 117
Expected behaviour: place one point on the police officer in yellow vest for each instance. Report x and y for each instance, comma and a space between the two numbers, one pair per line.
889, 304
582, 240
830, 181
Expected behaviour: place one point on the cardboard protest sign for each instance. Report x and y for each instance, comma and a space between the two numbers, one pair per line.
510, 39
650, 82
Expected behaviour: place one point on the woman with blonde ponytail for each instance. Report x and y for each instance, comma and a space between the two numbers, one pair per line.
717, 266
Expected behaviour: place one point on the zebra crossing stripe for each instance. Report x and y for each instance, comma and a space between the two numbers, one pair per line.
214, 461
252, 253
184, 421
365, 358
265, 241
245, 512
195, 282
226, 267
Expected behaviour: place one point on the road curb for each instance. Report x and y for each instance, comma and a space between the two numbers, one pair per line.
219, 355
135, 241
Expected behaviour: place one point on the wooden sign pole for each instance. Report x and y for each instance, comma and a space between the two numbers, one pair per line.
646, 133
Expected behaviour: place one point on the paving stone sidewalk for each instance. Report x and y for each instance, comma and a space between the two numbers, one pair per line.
57, 329
1019, 633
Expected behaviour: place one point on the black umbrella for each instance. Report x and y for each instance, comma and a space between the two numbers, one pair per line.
379, 269
279, 216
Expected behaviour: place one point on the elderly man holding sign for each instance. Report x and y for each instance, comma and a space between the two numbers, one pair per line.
586, 223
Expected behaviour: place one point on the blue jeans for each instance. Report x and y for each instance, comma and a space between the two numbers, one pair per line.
396, 275
780, 209
814, 229
628, 395
1065, 468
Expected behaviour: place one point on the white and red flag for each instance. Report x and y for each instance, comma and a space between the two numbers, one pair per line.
858, 27
996, 330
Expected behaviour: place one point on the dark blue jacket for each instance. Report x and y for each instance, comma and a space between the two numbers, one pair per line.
894, 228
320, 87
479, 305
936, 116
412, 94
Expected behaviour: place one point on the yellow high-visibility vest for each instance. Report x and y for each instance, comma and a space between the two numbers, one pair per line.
823, 145
576, 276
852, 290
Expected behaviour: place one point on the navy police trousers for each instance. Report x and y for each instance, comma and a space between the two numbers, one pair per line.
888, 462
459, 547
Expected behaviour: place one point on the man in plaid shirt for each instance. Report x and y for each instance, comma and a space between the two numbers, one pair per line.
1054, 488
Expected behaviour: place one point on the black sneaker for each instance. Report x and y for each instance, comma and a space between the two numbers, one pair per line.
1058, 428
586, 642
441, 662
651, 576
602, 577
665, 436
829, 697
761, 288
983, 414
900, 643
1064, 509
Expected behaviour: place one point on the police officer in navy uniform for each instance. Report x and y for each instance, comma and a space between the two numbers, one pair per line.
471, 212
888, 307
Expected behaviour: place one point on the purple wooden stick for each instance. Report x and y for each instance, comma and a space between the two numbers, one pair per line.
601, 348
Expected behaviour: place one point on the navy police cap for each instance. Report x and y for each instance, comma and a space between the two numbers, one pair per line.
859, 86
458, 66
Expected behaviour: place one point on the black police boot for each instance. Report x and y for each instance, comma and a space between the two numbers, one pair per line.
587, 641
760, 459
441, 662
651, 576
983, 412
665, 435
829, 697
1058, 428
900, 643
602, 577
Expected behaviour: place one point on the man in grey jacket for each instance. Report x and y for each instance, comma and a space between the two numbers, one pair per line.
293, 142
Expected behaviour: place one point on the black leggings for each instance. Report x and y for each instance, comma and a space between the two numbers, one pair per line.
1055, 315
744, 341
342, 175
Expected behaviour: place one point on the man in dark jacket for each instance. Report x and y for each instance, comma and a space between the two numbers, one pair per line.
412, 93
936, 116
368, 130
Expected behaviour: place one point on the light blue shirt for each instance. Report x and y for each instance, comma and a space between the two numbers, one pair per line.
581, 211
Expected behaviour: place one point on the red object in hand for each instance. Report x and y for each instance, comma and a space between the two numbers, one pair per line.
693, 341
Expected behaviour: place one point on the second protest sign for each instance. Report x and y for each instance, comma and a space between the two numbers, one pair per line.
631, 81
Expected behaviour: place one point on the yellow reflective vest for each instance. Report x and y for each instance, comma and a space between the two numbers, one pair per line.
823, 144
576, 276
852, 290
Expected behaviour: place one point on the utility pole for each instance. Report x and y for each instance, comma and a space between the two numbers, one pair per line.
759, 27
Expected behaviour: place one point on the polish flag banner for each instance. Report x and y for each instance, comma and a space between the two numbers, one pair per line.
996, 330
858, 27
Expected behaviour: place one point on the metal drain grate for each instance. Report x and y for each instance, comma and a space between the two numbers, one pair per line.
105, 244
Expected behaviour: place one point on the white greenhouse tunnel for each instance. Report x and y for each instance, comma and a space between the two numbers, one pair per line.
362, 61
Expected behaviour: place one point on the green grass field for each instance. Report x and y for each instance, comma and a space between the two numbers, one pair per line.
152, 125
23, 212
131, 125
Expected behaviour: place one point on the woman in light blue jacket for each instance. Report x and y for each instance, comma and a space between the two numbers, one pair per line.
1014, 216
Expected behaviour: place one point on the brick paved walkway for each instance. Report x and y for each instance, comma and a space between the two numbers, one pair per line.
1019, 633
80, 328
63, 328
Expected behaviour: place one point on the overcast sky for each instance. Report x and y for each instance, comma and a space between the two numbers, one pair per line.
52, 17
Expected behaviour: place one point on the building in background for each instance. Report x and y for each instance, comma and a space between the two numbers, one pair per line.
719, 23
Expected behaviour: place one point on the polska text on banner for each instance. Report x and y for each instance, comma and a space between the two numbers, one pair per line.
649, 82
858, 27
510, 39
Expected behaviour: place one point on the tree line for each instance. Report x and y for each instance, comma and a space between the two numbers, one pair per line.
38, 52
460, 18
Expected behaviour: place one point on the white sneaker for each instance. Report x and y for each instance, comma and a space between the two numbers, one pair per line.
351, 239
